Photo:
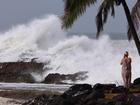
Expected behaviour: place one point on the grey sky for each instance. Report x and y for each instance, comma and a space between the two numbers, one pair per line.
13, 12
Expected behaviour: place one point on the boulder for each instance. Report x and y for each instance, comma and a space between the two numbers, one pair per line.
119, 89
79, 94
136, 82
18, 78
59, 78
39, 100
19, 71
84, 94
77, 90
20, 67
104, 87
123, 99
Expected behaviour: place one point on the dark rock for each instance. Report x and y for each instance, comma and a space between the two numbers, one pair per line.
84, 94
19, 71
20, 67
78, 89
78, 95
12, 78
57, 100
109, 103
103, 102
94, 96
53, 78
136, 100
74, 96
98, 87
104, 86
136, 82
40, 100
123, 99
120, 89
58, 78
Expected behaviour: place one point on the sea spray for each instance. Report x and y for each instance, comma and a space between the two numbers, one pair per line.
45, 40
40, 34
84, 54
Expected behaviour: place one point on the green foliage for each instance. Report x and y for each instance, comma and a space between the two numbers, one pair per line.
102, 15
74, 9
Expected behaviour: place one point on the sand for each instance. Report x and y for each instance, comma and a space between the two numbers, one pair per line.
9, 101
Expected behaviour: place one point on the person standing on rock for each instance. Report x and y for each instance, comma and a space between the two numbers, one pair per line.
126, 69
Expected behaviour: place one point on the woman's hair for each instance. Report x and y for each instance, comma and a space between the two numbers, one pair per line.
126, 53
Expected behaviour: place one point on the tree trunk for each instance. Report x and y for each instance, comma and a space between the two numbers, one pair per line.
130, 22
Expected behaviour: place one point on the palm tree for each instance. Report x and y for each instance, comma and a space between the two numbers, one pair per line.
135, 15
75, 8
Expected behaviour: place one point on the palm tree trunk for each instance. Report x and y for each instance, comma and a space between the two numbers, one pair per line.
130, 22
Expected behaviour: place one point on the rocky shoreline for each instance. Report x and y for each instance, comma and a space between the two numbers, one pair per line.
19, 71
79, 94
85, 94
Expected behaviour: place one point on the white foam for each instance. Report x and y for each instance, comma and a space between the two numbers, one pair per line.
40, 34
44, 39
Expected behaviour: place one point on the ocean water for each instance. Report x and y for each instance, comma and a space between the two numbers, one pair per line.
67, 53
34, 87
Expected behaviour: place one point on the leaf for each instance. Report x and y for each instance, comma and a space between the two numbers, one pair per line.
74, 9
102, 15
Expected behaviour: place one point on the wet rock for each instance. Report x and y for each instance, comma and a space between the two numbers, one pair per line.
123, 99
13, 77
80, 94
54, 78
78, 89
84, 94
119, 89
19, 71
59, 78
104, 86
20, 67
136, 100
77, 94
40, 100
136, 82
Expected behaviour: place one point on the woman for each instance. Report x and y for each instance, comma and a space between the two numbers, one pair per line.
126, 70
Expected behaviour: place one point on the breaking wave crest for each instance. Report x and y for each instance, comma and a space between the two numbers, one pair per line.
45, 40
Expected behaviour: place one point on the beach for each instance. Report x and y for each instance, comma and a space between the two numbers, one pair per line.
18, 93
9, 101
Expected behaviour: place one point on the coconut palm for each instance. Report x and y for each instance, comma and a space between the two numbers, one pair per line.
75, 8
135, 15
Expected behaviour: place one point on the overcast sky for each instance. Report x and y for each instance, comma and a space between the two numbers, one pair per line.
13, 12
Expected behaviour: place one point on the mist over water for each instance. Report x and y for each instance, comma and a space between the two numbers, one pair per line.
44, 39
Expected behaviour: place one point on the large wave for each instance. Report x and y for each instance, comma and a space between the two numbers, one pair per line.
26, 40
44, 39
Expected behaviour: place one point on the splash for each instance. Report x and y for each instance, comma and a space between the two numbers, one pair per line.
44, 39
29, 39
100, 58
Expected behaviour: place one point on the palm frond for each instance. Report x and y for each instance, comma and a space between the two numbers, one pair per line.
135, 15
73, 9
102, 15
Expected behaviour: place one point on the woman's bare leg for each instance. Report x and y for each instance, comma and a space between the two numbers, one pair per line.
124, 79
